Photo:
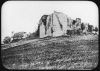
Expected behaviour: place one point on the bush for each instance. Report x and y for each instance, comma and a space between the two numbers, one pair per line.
90, 28
96, 29
78, 32
18, 36
82, 26
7, 40
70, 32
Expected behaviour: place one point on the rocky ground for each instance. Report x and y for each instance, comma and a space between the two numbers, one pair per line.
75, 53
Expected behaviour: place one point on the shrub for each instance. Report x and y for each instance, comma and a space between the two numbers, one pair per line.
82, 26
18, 36
96, 29
7, 40
90, 28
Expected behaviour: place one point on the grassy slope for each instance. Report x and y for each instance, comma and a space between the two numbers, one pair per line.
55, 53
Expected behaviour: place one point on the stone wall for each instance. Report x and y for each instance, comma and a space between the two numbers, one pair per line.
57, 24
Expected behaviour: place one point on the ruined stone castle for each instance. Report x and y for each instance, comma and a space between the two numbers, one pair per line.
57, 24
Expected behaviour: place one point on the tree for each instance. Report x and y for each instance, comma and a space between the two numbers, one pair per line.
96, 29
18, 36
7, 40
73, 22
82, 26
90, 28
78, 31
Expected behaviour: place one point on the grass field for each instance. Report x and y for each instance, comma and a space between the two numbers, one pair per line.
72, 53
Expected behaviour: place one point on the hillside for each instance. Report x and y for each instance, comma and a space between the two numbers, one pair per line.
76, 52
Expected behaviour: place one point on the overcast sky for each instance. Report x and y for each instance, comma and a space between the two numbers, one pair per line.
20, 16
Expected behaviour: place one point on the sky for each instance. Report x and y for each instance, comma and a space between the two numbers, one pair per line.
24, 16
